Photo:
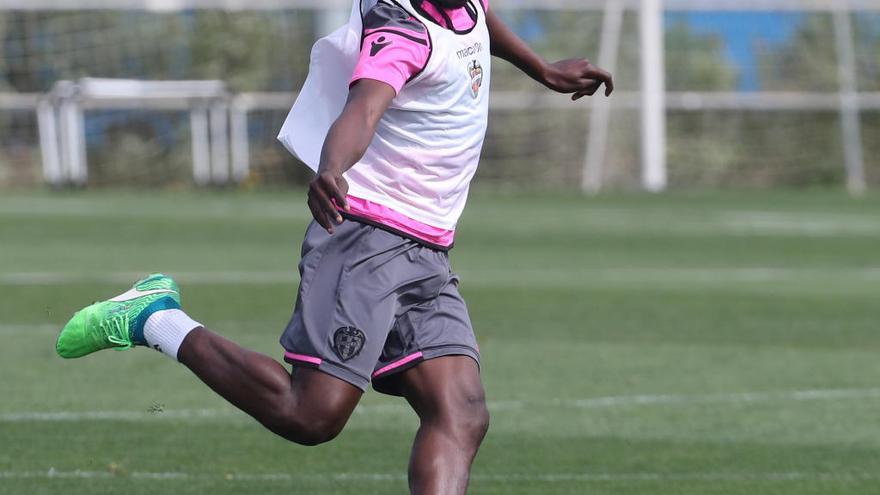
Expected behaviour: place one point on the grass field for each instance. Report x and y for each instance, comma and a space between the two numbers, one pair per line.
684, 344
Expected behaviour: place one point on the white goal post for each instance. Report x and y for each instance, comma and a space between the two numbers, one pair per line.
60, 117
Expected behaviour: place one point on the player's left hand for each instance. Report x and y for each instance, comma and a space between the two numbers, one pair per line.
578, 77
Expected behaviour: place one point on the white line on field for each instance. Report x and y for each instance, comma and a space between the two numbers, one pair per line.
65, 416
813, 225
478, 477
589, 403
740, 398
275, 210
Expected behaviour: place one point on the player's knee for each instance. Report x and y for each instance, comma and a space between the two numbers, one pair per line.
479, 424
310, 431
471, 418
314, 436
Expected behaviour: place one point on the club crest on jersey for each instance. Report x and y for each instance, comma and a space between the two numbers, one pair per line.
476, 72
348, 342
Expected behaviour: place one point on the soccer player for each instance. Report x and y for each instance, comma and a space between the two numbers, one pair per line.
377, 302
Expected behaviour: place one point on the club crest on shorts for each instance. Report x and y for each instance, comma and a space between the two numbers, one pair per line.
348, 342
476, 72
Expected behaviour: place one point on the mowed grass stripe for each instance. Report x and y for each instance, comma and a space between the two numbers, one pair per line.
483, 277
611, 214
503, 477
23, 328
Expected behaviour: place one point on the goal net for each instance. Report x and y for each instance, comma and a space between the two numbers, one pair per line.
755, 94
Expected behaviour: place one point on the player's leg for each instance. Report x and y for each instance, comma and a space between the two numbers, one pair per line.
447, 394
432, 359
309, 407
343, 313
335, 301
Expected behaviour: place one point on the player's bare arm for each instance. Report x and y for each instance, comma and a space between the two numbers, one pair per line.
346, 143
577, 76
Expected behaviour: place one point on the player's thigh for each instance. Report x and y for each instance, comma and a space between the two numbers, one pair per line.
438, 328
448, 388
323, 395
322, 406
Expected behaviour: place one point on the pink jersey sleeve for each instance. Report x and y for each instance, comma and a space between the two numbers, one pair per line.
395, 47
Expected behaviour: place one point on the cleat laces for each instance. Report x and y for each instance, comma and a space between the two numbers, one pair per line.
115, 330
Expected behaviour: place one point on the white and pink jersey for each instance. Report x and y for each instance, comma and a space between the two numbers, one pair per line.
415, 175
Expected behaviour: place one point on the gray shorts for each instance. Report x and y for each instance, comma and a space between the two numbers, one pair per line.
372, 304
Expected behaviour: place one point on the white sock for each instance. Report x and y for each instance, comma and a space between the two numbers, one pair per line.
165, 330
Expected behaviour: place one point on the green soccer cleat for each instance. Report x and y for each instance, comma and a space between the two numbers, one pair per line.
117, 323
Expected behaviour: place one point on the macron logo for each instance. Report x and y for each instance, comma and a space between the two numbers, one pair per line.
378, 46
470, 51
135, 293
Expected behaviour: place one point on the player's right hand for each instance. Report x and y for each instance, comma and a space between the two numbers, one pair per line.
326, 191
